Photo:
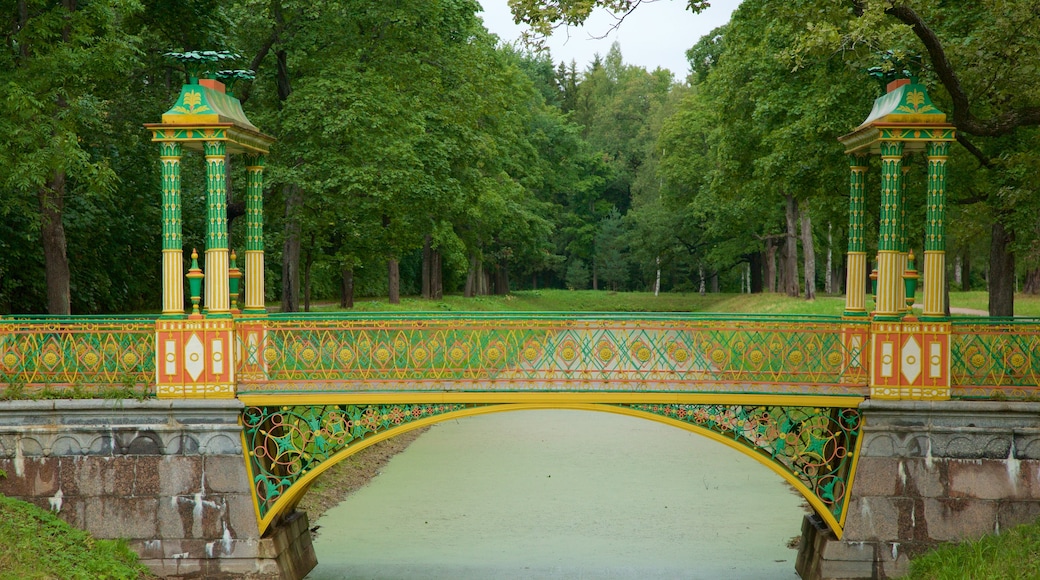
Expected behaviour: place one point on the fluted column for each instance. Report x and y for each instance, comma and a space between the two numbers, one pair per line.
217, 299
904, 242
856, 271
890, 276
935, 232
172, 243
254, 303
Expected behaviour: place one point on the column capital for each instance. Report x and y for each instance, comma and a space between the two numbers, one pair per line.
938, 149
256, 161
214, 148
169, 149
858, 162
892, 149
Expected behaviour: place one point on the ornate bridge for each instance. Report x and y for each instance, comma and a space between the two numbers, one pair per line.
788, 391
318, 388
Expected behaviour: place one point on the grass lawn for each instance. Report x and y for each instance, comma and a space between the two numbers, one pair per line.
35, 544
604, 301
1013, 554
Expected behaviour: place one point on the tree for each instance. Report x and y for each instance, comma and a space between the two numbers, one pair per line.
53, 80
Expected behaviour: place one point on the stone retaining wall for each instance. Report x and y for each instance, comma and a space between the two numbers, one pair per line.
169, 476
930, 472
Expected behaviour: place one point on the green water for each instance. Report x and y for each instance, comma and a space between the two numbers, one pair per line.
563, 494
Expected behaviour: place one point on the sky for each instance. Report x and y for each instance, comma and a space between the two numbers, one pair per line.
656, 34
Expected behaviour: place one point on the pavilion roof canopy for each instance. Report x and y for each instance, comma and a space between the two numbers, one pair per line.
905, 113
205, 112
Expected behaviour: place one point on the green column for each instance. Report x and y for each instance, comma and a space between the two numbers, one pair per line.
890, 276
217, 298
904, 242
935, 232
855, 275
172, 243
254, 288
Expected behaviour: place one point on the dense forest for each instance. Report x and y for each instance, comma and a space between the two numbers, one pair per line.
417, 154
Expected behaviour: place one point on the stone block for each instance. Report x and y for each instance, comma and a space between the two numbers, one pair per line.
955, 519
924, 477
122, 517
175, 518
94, 476
180, 475
972, 444
872, 518
226, 474
876, 476
1015, 513
848, 551
146, 476
1027, 446
73, 510
38, 477
241, 516
147, 549
987, 479
843, 570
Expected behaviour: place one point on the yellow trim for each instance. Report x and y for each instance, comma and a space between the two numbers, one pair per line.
544, 397
840, 529
288, 500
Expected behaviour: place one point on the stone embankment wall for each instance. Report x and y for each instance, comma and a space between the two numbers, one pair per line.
169, 476
930, 472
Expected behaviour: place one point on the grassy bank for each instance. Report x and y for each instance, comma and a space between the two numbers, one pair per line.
36, 545
1012, 555
604, 301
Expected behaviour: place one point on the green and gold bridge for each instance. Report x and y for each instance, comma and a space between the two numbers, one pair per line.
317, 388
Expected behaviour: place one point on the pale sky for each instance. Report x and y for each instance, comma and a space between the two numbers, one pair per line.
656, 34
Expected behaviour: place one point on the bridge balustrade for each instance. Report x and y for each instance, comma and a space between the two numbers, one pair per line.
77, 356
995, 358
552, 352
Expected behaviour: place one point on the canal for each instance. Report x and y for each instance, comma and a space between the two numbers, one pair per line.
563, 494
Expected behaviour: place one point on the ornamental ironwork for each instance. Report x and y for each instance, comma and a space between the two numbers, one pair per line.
605, 352
86, 354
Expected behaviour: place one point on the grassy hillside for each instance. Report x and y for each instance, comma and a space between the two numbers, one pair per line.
36, 545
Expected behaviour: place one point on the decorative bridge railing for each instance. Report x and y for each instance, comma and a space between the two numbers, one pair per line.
555, 352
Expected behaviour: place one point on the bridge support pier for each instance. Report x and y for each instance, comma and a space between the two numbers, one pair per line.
169, 476
929, 472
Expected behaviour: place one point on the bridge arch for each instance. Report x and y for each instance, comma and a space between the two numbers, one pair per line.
814, 448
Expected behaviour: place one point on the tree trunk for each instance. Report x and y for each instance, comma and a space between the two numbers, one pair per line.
595, 278
1001, 272
809, 256
394, 281
966, 271
757, 264
308, 261
769, 266
790, 261
291, 250
715, 282
828, 279
346, 288
436, 275
1032, 282
427, 266
472, 278
501, 280
52, 238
